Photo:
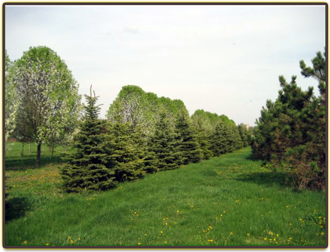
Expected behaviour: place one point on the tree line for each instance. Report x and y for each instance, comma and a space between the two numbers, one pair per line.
143, 133
124, 148
291, 132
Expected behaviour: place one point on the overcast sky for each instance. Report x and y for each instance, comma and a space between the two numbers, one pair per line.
223, 59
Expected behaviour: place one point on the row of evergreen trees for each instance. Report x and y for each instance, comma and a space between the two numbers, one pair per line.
291, 132
108, 152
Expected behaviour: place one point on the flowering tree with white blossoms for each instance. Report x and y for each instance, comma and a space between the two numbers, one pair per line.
49, 104
11, 100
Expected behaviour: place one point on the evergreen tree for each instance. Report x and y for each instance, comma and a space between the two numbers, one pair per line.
291, 131
220, 140
126, 144
162, 145
243, 132
237, 140
88, 167
187, 147
202, 137
126, 155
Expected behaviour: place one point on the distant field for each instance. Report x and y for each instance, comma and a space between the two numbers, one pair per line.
15, 160
226, 201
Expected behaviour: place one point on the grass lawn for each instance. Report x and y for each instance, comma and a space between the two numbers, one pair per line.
14, 159
230, 200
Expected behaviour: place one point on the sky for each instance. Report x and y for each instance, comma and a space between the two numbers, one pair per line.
223, 59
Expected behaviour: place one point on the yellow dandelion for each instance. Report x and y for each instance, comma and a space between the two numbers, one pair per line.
210, 240
231, 233
47, 244
224, 211
221, 215
322, 233
139, 243
166, 223
247, 234
161, 232
71, 241
69, 237
265, 239
24, 242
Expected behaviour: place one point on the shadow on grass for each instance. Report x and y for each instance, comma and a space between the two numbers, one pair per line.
21, 163
251, 157
268, 178
16, 208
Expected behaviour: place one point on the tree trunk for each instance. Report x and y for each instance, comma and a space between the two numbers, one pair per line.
22, 153
38, 153
52, 150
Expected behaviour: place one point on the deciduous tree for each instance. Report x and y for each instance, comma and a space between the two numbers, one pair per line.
48, 95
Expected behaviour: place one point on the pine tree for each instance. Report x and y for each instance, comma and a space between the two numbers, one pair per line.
162, 145
291, 131
88, 167
187, 147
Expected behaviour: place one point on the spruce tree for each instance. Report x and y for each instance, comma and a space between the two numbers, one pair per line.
235, 138
162, 145
243, 132
187, 147
220, 139
204, 143
88, 167
126, 154
202, 136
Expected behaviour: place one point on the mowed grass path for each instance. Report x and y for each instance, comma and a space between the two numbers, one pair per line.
226, 201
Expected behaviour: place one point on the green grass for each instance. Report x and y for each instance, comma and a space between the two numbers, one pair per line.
14, 159
226, 201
